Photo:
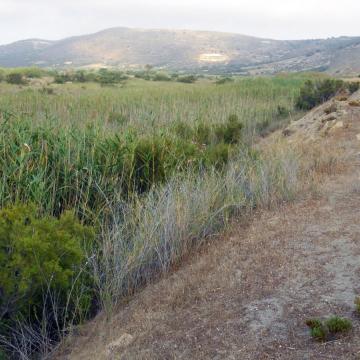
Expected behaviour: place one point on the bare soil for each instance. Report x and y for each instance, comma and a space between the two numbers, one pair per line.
248, 294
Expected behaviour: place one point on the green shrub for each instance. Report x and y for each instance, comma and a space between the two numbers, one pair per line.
142, 75
230, 132
15, 78
323, 330
40, 256
282, 111
109, 77
315, 93
2, 78
317, 329
161, 77
188, 79
353, 87
336, 324
217, 155
80, 76
62, 78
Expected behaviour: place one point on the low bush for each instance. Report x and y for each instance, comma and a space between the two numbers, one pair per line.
229, 132
353, 87
161, 77
314, 93
325, 330
16, 78
42, 269
110, 77
62, 78
336, 324
188, 79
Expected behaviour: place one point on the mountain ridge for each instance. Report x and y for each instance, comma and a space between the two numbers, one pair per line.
186, 50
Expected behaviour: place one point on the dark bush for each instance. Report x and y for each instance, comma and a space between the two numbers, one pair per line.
80, 76
353, 87
189, 79
324, 330
16, 78
62, 78
229, 132
315, 93
282, 111
109, 77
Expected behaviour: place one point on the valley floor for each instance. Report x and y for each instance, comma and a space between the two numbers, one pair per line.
248, 294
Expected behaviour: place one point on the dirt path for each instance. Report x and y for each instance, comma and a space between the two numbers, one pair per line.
247, 296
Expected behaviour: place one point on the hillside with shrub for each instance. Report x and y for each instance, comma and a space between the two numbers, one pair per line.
111, 179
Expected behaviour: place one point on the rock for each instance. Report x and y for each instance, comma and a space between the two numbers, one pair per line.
328, 118
358, 136
123, 341
338, 125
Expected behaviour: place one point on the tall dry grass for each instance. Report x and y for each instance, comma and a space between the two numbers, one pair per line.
149, 236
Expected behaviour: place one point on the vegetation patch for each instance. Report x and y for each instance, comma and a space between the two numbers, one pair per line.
354, 103
124, 183
325, 330
43, 273
314, 93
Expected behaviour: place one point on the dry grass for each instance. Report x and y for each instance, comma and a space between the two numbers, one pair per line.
220, 302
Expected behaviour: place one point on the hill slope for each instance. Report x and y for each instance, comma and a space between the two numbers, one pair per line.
248, 295
185, 49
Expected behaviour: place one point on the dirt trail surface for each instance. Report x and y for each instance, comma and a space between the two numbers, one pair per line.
249, 293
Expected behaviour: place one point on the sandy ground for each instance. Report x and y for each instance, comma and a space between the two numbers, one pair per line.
248, 294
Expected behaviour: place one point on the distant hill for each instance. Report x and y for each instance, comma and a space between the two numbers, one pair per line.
187, 50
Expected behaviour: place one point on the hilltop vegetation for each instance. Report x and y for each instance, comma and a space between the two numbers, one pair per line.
125, 177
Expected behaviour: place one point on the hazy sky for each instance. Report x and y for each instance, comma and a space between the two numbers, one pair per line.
280, 19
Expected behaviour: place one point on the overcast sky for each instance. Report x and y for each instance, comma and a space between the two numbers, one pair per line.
279, 19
